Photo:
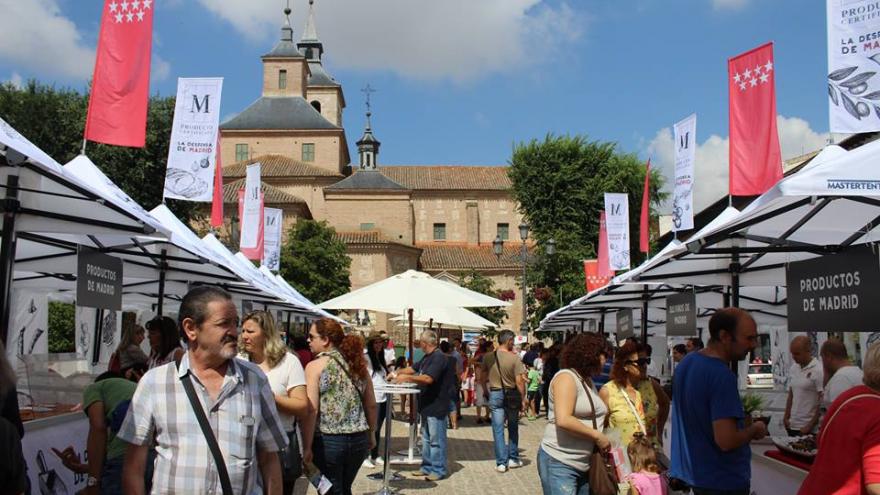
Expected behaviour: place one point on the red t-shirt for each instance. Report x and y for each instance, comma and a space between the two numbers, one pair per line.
849, 447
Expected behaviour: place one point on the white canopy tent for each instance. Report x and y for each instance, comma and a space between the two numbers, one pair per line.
455, 317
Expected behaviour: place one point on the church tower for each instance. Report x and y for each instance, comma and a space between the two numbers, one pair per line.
368, 145
285, 70
322, 92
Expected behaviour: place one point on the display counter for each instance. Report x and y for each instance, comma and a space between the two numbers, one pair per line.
776, 473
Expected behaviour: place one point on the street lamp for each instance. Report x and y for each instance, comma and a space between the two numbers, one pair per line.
498, 249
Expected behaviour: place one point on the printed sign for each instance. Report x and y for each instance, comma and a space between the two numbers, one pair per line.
624, 324
192, 151
835, 293
617, 229
98, 280
853, 58
683, 195
272, 218
681, 315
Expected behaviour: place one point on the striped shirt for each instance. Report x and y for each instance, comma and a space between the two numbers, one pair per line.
244, 420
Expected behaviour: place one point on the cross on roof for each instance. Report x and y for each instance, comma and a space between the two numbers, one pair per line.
367, 90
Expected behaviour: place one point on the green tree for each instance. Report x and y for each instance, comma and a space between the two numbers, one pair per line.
313, 260
559, 184
54, 119
62, 327
478, 282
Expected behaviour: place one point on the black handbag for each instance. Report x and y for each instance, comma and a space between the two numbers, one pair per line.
291, 458
512, 397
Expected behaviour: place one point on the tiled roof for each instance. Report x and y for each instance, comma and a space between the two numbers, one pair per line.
450, 257
277, 166
362, 237
369, 180
278, 113
448, 177
271, 194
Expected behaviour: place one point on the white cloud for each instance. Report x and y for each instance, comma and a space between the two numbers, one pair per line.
36, 35
16, 80
460, 40
795, 138
729, 4
160, 69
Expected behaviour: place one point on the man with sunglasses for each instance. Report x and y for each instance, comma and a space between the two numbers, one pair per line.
710, 444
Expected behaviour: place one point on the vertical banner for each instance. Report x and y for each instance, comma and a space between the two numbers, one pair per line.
853, 55
217, 197
617, 229
272, 238
604, 269
644, 217
685, 158
121, 82
252, 215
192, 151
755, 157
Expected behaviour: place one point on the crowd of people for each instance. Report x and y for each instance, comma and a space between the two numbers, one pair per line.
269, 410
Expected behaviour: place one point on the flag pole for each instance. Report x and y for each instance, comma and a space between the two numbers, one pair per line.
83, 150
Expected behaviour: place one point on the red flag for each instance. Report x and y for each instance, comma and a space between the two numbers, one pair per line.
254, 253
591, 274
755, 159
646, 199
121, 81
217, 200
604, 261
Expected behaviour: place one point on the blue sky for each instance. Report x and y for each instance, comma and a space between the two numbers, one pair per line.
461, 81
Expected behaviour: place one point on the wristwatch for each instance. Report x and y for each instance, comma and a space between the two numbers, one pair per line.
91, 481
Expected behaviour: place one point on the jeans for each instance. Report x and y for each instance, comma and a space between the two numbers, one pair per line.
434, 445
380, 423
111, 476
560, 479
339, 457
509, 451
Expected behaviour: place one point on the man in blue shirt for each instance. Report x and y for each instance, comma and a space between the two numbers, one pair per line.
710, 446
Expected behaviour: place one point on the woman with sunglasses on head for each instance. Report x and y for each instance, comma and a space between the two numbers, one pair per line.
260, 341
625, 409
341, 391
655, 402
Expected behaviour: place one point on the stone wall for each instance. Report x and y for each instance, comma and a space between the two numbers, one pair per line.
471, 217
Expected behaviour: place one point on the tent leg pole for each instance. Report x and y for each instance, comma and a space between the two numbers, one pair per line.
734, 298
645, 316
7, 253
602, 323
162, 267
98, 335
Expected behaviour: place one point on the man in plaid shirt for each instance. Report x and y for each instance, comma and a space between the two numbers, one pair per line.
235, 396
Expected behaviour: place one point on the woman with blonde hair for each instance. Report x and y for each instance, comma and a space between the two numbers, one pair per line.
260, 341
848, 459
129, 352
341, 391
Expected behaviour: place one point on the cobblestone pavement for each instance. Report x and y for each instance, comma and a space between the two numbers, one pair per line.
471, 462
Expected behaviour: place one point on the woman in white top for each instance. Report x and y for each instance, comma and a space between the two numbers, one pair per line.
575, 418
260, 341
378, 369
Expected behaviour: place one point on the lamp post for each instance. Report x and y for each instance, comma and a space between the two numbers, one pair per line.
498, 249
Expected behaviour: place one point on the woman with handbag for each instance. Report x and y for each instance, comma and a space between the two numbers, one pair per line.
341, 391
572, 456
261, 344
626, 411
378, 371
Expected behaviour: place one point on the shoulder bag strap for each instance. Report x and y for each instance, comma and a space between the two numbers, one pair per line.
860, 396
225, 483
632, 408
589, 397
353, 382
500, 376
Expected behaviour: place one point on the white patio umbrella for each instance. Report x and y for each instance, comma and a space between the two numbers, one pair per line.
410, 291
456, 317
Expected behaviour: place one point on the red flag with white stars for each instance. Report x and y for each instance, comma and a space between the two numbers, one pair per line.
591, 274
644, 244
217, 200
755, 158
604, 269
121, 81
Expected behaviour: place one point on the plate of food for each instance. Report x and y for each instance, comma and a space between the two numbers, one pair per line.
804, 446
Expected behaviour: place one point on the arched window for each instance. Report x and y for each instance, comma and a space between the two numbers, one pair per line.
317, 105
